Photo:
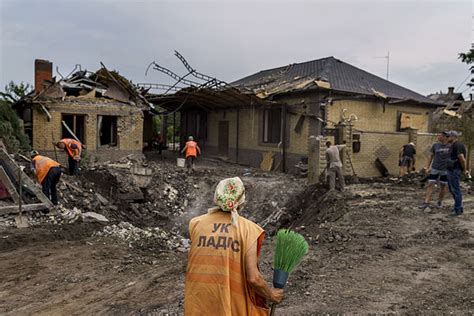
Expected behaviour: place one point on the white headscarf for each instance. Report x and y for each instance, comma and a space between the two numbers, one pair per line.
229, 195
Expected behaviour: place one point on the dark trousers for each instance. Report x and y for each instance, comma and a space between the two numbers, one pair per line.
190, 162
454, 179
73, 166
50, 182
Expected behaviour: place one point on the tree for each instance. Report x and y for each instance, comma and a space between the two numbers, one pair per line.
14, 92
468, 58
11, 128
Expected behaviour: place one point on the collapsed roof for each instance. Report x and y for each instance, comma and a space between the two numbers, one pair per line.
328, 74
100, 86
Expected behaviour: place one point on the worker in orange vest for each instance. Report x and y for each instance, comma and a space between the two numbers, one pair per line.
73, 148
222, 277
48, 173
192, 150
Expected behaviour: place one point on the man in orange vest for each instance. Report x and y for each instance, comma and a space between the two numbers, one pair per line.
192, 150
73, 148
48, 173
222, 276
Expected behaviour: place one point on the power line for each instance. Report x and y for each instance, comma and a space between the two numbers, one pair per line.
465, 89
463, 81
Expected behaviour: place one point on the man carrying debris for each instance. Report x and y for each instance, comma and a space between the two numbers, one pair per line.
48, 173
436, 167
457, 165
73, 148
334, 165
192, 150
407, 158
222, 276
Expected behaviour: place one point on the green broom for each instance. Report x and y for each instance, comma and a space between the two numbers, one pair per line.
290, 249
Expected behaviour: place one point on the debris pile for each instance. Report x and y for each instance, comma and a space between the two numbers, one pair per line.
151, 237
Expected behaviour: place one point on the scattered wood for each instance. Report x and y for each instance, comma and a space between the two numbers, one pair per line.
381, 167
24, 157
102, 199
72, 186
267, 161
11, 168
9, 185
25, 208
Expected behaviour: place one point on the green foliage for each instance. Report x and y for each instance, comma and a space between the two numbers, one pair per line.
11, 131
157, 126
290, 249
468, 58
13, 92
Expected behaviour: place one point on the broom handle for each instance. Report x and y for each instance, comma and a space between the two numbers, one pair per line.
272, 309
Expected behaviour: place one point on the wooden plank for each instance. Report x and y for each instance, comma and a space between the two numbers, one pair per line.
9, 163
10, 187
25, 208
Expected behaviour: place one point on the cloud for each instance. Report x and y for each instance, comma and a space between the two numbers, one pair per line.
230, 39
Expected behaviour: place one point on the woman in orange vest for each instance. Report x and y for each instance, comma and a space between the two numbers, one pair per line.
192, 150
223, 277
48, 173
73, 148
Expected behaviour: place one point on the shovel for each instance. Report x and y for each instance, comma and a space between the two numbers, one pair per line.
356, 179
20, 220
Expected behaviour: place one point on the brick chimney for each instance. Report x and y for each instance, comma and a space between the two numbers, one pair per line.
43, 71
450, 90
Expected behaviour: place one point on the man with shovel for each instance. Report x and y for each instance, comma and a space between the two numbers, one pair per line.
48, 173
223, 277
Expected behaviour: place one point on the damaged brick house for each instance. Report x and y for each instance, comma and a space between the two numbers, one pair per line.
102, 109
457, 114
290, 111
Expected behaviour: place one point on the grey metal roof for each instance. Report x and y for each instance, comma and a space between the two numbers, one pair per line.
339, 75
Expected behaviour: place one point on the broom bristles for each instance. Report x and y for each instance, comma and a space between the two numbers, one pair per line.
290, 249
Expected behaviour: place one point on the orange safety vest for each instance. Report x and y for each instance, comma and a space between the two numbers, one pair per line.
216, 280
72, 152
42, 165
191, 148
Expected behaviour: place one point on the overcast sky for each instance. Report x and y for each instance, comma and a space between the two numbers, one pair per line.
233, 39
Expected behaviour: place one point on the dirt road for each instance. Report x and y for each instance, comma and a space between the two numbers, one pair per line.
372, 251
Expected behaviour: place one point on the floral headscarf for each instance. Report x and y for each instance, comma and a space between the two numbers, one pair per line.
229, 195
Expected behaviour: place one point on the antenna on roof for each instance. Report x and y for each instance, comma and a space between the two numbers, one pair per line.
388, 61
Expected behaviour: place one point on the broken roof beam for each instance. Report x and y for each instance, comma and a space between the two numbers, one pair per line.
46, 111
198, 74
157, 86
176, 77
11, 168
9, 185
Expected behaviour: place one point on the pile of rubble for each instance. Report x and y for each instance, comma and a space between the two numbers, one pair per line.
146, 237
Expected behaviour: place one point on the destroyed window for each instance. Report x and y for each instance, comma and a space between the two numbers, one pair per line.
410, 120
76, 124
271, 125
107, 130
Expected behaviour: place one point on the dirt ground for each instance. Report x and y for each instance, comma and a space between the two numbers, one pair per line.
372, 250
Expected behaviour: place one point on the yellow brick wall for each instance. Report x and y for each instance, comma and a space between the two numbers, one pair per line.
371, 143
250, 134
129, 121
371, 116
